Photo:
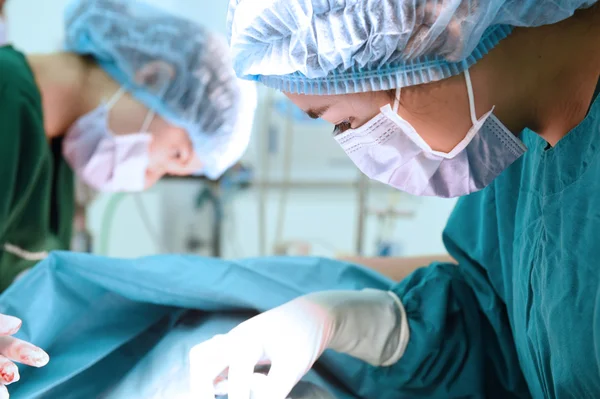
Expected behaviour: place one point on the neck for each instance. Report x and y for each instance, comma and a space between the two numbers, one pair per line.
61, 78
544, 78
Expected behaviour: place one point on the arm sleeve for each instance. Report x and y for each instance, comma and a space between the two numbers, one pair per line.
10, 142
461, 344
23, 162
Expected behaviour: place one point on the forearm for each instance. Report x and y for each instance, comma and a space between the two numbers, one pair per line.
398, 268
460, 345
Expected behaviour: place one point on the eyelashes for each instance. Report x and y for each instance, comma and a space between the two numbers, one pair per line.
342, 127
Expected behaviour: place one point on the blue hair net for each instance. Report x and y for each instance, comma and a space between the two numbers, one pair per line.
174, 67
349, 46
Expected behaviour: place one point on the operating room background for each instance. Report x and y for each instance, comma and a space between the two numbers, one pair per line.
309, 192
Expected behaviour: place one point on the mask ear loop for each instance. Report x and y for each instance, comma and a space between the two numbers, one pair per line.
397, 99
115, 98
471, 97
148, 121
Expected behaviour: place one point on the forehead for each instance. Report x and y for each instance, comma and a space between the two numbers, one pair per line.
345, 101
306, 102
335, 108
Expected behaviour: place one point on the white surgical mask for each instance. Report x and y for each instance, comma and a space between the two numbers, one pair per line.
103, 160
389, 149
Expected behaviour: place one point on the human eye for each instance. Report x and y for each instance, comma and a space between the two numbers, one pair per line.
342, 127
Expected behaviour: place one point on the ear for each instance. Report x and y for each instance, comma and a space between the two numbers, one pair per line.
155, 76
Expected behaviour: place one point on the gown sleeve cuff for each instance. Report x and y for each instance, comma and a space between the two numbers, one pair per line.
404, 332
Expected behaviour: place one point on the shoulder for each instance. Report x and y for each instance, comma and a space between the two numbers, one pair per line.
16, 78
22, 135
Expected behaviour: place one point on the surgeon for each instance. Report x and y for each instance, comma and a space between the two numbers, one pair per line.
136, 94
496, 101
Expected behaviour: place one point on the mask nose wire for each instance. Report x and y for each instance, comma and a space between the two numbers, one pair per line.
471, 96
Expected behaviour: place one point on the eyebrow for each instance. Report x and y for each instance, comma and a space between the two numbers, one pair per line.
317, 113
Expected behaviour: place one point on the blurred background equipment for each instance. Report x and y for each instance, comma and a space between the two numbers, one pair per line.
294, 192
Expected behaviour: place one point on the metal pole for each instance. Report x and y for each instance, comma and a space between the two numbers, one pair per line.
263, 157
218, 226
363, 192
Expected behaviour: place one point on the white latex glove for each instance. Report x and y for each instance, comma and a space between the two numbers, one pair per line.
370, 325
13, 349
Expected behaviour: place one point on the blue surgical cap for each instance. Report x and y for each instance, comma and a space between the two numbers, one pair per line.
349, 46
172, 66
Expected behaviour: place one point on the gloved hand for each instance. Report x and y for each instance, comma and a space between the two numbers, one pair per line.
14, 349
370, 325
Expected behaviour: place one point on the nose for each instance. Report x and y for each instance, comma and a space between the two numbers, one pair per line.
166, 161
152, 176
156, 162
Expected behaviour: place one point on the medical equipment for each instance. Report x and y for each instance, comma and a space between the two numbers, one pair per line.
305, 247
174, 67
108, 219
344, 46
82, 238
150, 229
198, 215
209, 194
386, 245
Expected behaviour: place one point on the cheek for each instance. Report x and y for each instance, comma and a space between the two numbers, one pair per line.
165, 144
126, 117
366, 107
156, 145
441, 121
167, 139
442, 134
151, 178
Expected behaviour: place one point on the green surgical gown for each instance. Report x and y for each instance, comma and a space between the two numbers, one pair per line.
36, 185
519, 316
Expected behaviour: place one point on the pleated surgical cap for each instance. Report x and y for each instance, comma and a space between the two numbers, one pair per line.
349, 46
174, 67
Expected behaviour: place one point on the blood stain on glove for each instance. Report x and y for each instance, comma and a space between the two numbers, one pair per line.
33, 356
9, 325
9, 372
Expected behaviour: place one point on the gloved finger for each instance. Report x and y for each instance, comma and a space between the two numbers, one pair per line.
221, 386
282, 378
207, 361
241, 369
23, 352
9, 325
9, 372
4, 392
